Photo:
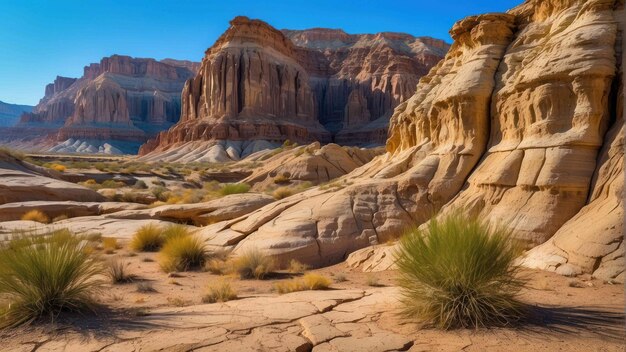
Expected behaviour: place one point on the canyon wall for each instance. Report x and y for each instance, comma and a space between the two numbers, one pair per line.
258, 83
521, 124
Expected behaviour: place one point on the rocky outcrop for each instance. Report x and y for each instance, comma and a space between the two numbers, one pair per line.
510, 126
10, 113
258, 83
119, 99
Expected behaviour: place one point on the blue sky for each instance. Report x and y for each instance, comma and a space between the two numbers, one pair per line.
41, 39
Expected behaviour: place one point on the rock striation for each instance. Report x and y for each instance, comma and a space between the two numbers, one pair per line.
258, 83
520, 124
118, 99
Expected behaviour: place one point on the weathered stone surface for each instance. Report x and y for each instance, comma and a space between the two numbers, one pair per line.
21, 182
508, 126
71, 209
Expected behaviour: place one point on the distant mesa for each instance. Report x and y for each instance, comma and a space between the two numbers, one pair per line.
257, 83
10, 113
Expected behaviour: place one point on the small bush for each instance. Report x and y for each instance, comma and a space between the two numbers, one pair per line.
252, 264
234, 188
116, 271
175, 230
341, 277
145, 287
372, 281
148, 238
219, 292
281, 179
58, 167
459, 273
45, 276
282, 192
36, 215
309, 281
109, 244
113, 184
160, 193
295, 267
216, 267
182, 253
140, 185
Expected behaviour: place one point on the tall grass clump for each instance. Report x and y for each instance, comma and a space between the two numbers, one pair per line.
252, 264
36, 215
44, 276
148, 238
182, 253
175, 230
219, 292
459, 273
234, 188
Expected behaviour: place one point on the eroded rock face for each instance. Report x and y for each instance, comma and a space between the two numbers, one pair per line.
258, 83
121, 98
511, 126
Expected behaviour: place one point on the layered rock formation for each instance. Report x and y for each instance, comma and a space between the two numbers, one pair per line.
257, 83
119, 99
10, 113
511, 126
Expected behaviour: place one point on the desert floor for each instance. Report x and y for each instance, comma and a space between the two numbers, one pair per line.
358, 313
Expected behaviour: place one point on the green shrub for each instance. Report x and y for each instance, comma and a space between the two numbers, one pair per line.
140, 185
459, 272
148, 238
182, 253
234, 188
252, 264
44, 276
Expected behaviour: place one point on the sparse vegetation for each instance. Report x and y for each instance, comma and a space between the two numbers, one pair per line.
44, 276
182, 253
175, 230
148, 238
117, 271
219, 292
341, 277
57, 167
309, 281
36, 215
145, 287
372, 281
282, 178
459, 273
109, 244
252, 264
216, 266
282, 192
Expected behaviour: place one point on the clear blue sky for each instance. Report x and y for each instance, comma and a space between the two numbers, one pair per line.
40, 39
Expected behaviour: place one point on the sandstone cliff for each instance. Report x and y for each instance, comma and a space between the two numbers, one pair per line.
511, 125
258, 83
120, 98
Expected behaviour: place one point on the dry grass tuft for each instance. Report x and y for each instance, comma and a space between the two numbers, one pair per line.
309, 281
181, 253
219, 292
252, 264
36, 215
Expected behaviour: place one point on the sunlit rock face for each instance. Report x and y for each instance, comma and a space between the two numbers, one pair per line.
258, 83
520, 124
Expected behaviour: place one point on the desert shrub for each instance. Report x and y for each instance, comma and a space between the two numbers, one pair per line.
44, 276
113, 184
140, 185
459, 272
309, 281
109, 244
295, 267
145, 287
219, 292
252, 264
90, 181
341, 277
282, 178
182, 253
372, 281
282, 192
160, 193
58, 167
36, 215
234, 188
216, 266
148, 238
175, 230
117, 272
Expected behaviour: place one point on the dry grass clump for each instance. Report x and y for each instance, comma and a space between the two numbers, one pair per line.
57, 167
176, 230
36, 215
282, 178
295, 267
182, 253
309, 281
148, 238
219, 292
44, 276
117, 272
459, 272
145, 287
252, 264
282, 192
109, 244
